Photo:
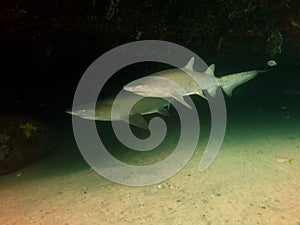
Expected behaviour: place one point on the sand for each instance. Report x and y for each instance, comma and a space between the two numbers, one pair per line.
245, 184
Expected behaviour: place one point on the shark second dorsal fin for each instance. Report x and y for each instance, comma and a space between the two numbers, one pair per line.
190, 64
210, 70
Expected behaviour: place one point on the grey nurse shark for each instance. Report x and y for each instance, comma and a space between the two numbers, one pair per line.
103, 110
176, 83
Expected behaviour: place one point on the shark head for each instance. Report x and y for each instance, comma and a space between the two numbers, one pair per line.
88, 114
149, 86
136, 88
157, 86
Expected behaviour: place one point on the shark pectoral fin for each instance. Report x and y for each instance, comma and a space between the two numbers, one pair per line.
180, 99
212, 91
163, 111
138, 121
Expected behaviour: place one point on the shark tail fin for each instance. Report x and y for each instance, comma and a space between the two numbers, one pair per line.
229, 82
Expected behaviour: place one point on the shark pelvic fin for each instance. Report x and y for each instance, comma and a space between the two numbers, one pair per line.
212, 91
190, 64
138, 121
163, 111
201, 94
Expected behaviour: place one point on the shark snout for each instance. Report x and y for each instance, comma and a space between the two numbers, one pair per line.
128, 88
69, 111
135, 88
76, 112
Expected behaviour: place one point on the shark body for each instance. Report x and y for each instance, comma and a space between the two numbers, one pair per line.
103, 110
176, 83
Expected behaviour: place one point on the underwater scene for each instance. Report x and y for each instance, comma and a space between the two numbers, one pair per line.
150, 112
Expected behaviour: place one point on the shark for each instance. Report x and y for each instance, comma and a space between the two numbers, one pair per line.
103, 110
176, 83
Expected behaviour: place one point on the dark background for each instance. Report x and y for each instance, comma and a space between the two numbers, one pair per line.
46, 45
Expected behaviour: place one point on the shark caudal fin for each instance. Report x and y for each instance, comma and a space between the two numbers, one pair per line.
229, 82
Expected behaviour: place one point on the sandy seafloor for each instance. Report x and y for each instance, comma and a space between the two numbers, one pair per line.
245, 184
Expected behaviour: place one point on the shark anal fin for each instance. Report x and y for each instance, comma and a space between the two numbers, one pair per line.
212, 91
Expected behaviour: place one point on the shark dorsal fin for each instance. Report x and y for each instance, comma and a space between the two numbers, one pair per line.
210, 70
190, 64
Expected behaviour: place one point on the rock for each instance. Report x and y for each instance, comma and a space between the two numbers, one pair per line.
22, 141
